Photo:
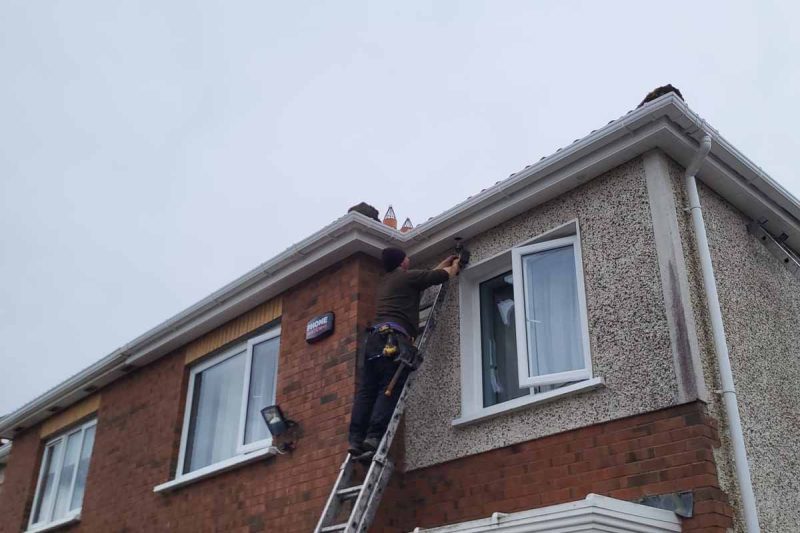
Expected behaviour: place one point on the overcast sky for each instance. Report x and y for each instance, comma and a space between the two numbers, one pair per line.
151, 152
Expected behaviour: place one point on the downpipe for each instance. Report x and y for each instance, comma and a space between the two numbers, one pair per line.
720, 343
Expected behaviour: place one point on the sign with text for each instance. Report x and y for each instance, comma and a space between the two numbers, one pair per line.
319, 327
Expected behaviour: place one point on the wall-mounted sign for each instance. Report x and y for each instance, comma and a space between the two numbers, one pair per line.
319, 327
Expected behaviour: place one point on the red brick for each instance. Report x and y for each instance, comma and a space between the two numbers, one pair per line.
657, 453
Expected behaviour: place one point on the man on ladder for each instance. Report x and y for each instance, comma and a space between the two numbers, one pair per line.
397, 317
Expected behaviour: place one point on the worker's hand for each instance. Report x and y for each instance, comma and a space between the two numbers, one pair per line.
453, 269
446, 263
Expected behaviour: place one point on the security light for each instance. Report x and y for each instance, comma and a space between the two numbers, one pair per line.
276, 422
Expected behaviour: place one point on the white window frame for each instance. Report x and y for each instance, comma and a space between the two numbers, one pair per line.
241, 448
472, 408
525, 378
71, 514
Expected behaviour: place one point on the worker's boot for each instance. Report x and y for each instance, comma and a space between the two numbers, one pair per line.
370, 444
355, 446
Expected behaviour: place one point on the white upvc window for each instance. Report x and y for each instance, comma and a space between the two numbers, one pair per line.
223, 405
62, 478
552, 330
524, 328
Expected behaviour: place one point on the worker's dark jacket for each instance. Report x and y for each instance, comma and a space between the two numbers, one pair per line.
399, 294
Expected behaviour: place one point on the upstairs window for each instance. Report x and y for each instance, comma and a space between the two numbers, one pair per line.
62, 477
524, 330
224, 402
550, 323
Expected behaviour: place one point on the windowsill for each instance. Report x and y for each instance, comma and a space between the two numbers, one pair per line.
215, 469
526, 401
67, 520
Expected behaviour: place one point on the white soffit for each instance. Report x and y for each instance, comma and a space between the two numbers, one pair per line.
594, 514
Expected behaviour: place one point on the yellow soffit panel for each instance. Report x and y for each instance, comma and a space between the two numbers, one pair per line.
70, 415
251, 320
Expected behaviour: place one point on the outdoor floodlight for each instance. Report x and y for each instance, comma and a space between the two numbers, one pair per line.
276, 422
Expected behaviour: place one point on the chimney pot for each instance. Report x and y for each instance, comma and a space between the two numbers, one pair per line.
390, 219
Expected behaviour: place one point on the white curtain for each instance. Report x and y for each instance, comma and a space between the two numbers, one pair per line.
551, 309
215, 414
262, 388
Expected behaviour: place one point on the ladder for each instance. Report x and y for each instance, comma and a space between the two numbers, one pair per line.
367, 495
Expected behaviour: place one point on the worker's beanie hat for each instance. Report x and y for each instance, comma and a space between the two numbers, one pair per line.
392, 257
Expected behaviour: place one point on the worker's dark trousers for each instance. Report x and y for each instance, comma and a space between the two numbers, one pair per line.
372, 409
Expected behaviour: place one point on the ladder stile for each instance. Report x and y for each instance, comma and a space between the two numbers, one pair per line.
375, 498
360, 505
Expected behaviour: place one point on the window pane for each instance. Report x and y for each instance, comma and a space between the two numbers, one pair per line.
551, 312
83, 468
46, 491
68, 466
498, 341
216, 407
262, 388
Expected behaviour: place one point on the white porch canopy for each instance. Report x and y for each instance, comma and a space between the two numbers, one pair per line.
595, 514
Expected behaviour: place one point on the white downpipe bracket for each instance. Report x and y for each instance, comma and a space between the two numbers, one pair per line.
720, 343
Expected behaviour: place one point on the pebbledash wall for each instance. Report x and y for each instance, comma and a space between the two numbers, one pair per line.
761, 313
628, 329
139, 421
642, 433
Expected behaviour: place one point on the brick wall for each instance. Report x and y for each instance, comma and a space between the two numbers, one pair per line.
20, 481
139, 426
657, 453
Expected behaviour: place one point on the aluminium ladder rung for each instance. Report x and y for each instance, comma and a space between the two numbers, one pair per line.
334, 529
349, 493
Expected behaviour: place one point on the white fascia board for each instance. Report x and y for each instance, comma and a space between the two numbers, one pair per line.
755, 198
591, 514
316, 246
749, 171
564, 157
539, 186
665, 123
306, 265
350, 234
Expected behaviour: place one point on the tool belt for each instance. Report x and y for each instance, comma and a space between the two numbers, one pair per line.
385, 340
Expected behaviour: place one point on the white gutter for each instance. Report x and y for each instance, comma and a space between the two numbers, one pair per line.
720, 343
349, 234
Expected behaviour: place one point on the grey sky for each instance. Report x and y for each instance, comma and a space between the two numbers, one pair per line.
152, 151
